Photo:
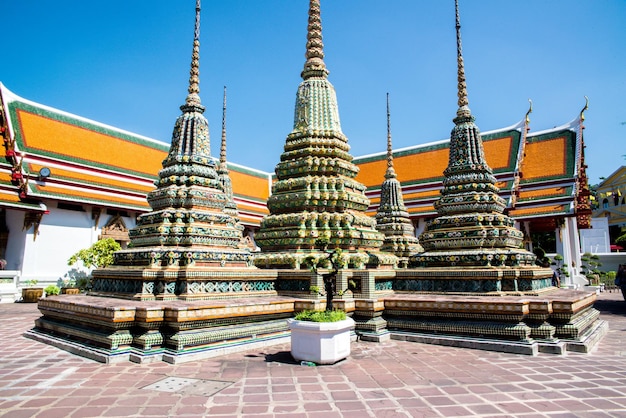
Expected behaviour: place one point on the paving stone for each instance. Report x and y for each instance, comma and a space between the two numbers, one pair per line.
389, 379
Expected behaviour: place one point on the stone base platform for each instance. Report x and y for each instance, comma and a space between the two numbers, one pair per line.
554, 321
110, 329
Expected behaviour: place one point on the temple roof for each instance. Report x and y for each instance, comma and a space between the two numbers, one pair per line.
546, 172
94, 163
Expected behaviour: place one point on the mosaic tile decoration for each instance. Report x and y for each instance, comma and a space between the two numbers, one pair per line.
315, 195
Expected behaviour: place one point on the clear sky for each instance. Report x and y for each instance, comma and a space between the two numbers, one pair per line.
126, 63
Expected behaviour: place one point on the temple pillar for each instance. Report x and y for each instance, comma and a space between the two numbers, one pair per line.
568, 244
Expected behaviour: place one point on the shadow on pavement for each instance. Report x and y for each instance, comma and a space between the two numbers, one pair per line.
609, 306
280, 357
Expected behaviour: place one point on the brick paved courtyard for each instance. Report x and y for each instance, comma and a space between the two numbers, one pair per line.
393, 379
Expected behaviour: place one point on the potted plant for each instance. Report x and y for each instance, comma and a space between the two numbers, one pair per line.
589, 267
30, 293
322, 337
52, 290
69, 287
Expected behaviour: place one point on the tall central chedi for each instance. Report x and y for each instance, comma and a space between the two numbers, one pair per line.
472, 229
316, 201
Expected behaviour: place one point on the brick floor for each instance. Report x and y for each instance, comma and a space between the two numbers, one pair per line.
391, 379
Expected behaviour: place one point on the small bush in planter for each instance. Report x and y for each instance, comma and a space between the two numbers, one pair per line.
321, 316
52, 290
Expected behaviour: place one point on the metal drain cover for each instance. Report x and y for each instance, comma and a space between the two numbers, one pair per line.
188, 386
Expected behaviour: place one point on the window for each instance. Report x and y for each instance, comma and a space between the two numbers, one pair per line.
70, 206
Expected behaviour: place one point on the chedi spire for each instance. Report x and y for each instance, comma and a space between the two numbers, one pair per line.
471, 229
392, 217
193, 222
316, 202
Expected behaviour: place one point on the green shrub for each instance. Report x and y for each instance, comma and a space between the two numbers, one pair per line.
321, 316
52, 290
100, 254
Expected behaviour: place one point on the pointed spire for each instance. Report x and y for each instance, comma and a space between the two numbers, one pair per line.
462, 86
223, 167
193, 98
391, 173
314, 65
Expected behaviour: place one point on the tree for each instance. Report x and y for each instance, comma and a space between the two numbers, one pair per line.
333, 257
100, 254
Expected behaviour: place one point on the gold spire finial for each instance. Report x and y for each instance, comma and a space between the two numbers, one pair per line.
193, 98
462, 86
314, 65
223, 145
391, 173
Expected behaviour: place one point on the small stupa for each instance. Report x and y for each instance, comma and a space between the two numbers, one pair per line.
472, 230
392, 217
316, 202
230, 206
194, 222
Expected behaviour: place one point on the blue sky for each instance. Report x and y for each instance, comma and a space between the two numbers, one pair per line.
126, 63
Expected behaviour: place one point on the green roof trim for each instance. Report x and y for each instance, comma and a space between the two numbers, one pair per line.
419, 149
15, 106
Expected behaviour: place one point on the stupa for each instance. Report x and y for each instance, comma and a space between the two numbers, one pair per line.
472, 233
186, 286
194, 222
392, 217
475, 286
316, 201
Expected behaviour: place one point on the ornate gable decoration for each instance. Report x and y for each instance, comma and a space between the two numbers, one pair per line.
116, 229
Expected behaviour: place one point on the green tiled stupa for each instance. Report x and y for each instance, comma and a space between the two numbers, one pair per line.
392, 217
472, 229
194, 222
316, 199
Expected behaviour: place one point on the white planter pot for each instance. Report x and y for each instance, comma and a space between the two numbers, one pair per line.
320, 342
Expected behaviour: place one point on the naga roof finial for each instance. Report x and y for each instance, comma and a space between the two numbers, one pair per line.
462, 86
193, 98
582, 112
391, 173
530, 110
314, 65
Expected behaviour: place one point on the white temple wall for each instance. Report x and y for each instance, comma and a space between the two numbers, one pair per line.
61, 234
14, 254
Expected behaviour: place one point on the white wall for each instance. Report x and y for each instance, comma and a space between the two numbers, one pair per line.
17, 237
61, 234
596, 239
